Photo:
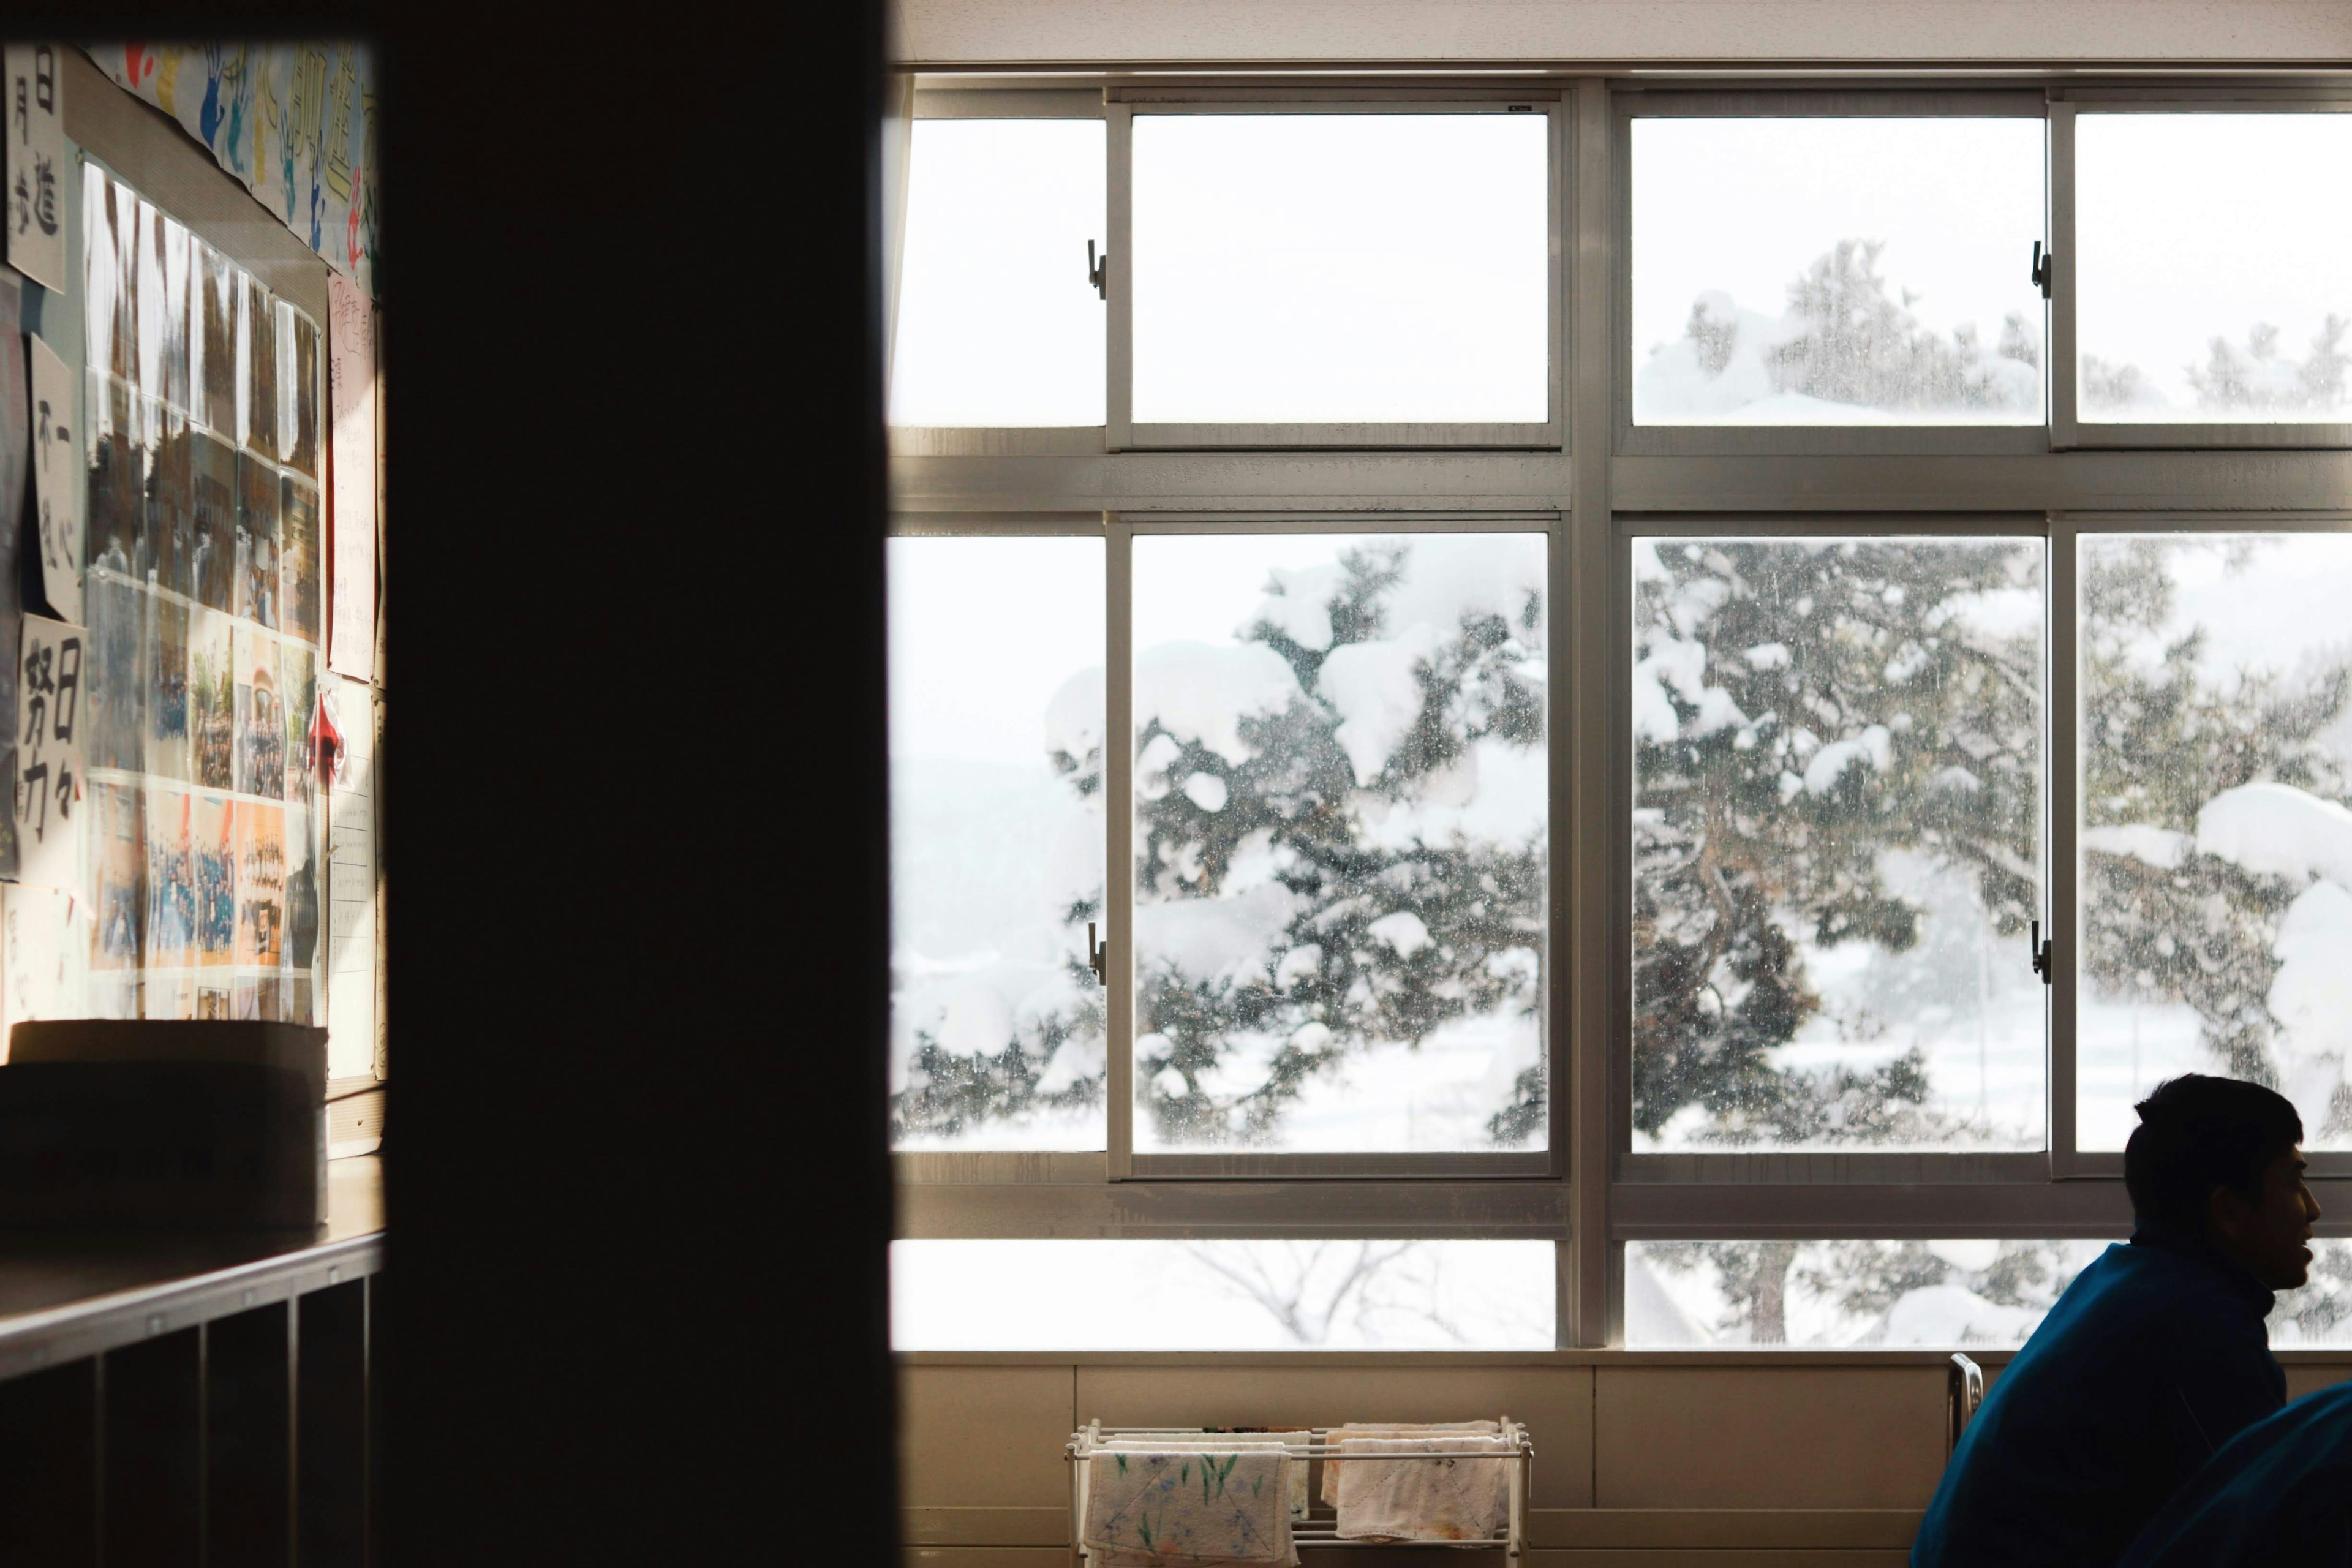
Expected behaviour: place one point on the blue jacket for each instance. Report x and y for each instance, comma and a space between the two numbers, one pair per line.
2154, 1358
2280, 1492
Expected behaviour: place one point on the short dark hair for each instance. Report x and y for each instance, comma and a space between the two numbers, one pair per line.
2197, 1133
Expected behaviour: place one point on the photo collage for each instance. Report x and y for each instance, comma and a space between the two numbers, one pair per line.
205, 845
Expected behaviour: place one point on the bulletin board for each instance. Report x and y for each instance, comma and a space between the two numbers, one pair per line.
200, 891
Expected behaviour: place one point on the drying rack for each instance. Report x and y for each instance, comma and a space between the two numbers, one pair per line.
1320, 1528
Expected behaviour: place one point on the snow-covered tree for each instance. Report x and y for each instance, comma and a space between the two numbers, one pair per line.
1802, 709
1844, 341
1315, 876
2239, 379
2165, 921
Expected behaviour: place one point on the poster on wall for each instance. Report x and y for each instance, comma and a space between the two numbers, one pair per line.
351, 401
36, 163
294, 122
56, 482
48, 781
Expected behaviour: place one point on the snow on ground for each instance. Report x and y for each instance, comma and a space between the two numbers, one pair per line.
1730, 381
984, 860
1964, 997
1398, 1099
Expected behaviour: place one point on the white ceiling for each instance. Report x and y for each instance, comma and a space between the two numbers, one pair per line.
944, 32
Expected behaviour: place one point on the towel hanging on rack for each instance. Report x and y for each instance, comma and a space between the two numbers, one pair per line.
1396, 1429
1189, 1507
1402, 1498
1294, 1474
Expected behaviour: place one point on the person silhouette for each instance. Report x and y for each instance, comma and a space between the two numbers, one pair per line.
2154, 1358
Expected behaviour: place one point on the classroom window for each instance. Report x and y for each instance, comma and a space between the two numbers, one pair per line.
998, 324
997, 1036
1893, 1295
1836, 271
2216, 844
2215, 280
1341, 268
1341, 857
1837, 827
1255, 1295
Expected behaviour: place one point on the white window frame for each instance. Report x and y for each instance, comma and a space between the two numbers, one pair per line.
1595, 491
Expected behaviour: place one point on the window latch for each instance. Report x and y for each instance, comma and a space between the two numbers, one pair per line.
2040, 952
1099, 272
1097, 956
2040, 270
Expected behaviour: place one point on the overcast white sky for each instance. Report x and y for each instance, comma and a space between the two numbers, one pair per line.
2197, 225
1745, 205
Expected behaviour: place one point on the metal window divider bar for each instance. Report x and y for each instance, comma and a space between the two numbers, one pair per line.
1312, 1443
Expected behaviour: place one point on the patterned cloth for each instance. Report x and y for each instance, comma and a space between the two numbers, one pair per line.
1188, 1509
1295, 1474
1401, 1498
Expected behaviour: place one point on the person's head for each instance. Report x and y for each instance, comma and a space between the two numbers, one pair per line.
2217, 1157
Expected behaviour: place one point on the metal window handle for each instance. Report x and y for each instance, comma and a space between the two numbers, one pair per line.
1099, 272
1097, 956
2040, 953
2040, 270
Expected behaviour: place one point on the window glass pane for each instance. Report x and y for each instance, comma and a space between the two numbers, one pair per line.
997, 323
1836, 271
1341, 268
1929, 1294
1837, 834
2217, 848
1341, 786
1220, 1295
996, 843
2215, 278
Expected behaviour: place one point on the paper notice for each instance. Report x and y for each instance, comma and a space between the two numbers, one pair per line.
36, 163
350, 881
44, 956
49, 751
57, 481
351, 478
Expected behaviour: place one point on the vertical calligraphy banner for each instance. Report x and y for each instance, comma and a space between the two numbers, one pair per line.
48, 782
58, 482
351, 478
36, 163
16, 437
